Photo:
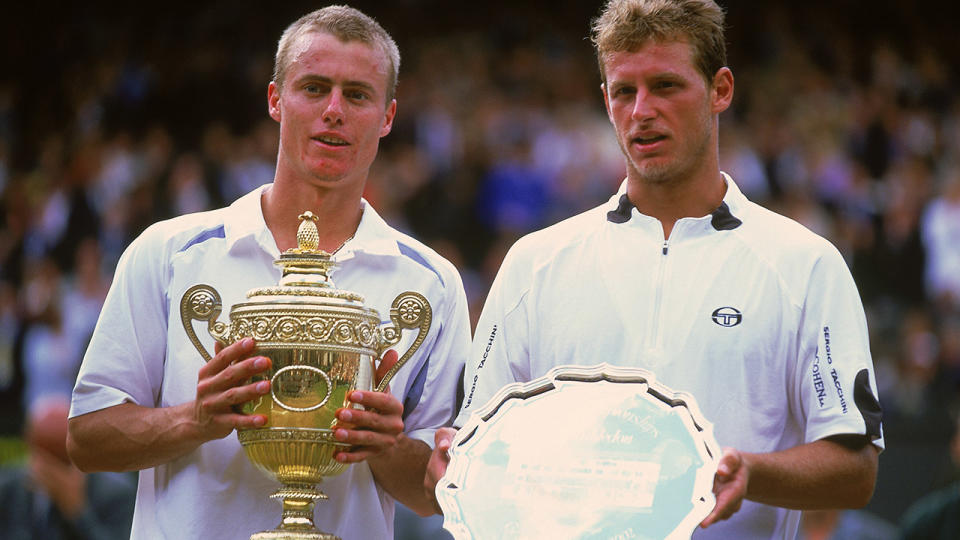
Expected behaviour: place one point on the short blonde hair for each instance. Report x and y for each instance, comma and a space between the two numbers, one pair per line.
346, 24
626, 25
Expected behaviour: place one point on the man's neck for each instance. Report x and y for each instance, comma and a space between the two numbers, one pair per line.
676, 199
339, 213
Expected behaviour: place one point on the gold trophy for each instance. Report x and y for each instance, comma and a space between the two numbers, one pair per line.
323, 344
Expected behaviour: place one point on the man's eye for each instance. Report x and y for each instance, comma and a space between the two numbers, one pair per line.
356, 95
623, 91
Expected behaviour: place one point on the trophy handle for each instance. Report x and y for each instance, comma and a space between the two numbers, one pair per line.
202, 302
409, 310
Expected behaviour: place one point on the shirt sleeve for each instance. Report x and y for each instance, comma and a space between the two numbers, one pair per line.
444, 364
837, 386
500, 354
124, 360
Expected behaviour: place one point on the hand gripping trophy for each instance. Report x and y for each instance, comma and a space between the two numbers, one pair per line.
323, 343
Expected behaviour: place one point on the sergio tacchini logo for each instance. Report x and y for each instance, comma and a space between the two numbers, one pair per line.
727, 316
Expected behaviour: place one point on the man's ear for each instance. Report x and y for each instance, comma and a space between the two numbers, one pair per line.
721, 91
388, 117
273, 101
606, 100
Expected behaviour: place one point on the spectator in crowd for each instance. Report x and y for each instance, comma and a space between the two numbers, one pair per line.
941, 237
936, 516
836, 524
50, 498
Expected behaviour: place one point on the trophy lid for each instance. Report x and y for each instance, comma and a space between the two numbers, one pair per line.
306, 268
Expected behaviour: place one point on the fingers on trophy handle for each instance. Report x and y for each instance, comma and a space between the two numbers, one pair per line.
202, 302
409, 310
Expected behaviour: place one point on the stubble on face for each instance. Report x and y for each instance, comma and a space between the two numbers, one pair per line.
657, 91
689, 156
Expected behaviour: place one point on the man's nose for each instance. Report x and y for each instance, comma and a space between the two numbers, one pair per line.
643, 108
333, 109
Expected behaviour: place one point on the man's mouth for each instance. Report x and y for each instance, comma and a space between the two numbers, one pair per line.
331, 140
649, 139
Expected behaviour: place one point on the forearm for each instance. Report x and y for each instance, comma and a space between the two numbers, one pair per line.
129, 437
400, 471
831, 473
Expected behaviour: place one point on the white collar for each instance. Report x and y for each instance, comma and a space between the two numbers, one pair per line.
245, 220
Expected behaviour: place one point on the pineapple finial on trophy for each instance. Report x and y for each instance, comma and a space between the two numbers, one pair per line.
306, 265
308, 239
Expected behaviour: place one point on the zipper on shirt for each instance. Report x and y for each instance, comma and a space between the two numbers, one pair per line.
655, 337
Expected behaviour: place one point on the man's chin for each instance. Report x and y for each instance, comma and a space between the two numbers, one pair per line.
654, 173
326, 175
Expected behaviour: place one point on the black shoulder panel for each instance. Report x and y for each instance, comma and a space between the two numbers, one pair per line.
723, 220
622, 213
867, 403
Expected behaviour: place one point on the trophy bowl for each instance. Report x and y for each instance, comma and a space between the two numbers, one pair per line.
323, 343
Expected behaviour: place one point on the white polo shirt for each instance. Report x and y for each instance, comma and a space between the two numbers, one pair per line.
140, 353
754, 315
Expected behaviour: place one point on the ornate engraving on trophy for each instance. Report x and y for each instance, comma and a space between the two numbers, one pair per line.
293, 327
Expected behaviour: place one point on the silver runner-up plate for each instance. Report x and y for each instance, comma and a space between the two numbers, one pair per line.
599, 452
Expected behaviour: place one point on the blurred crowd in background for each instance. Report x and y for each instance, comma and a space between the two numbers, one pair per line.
846, 118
